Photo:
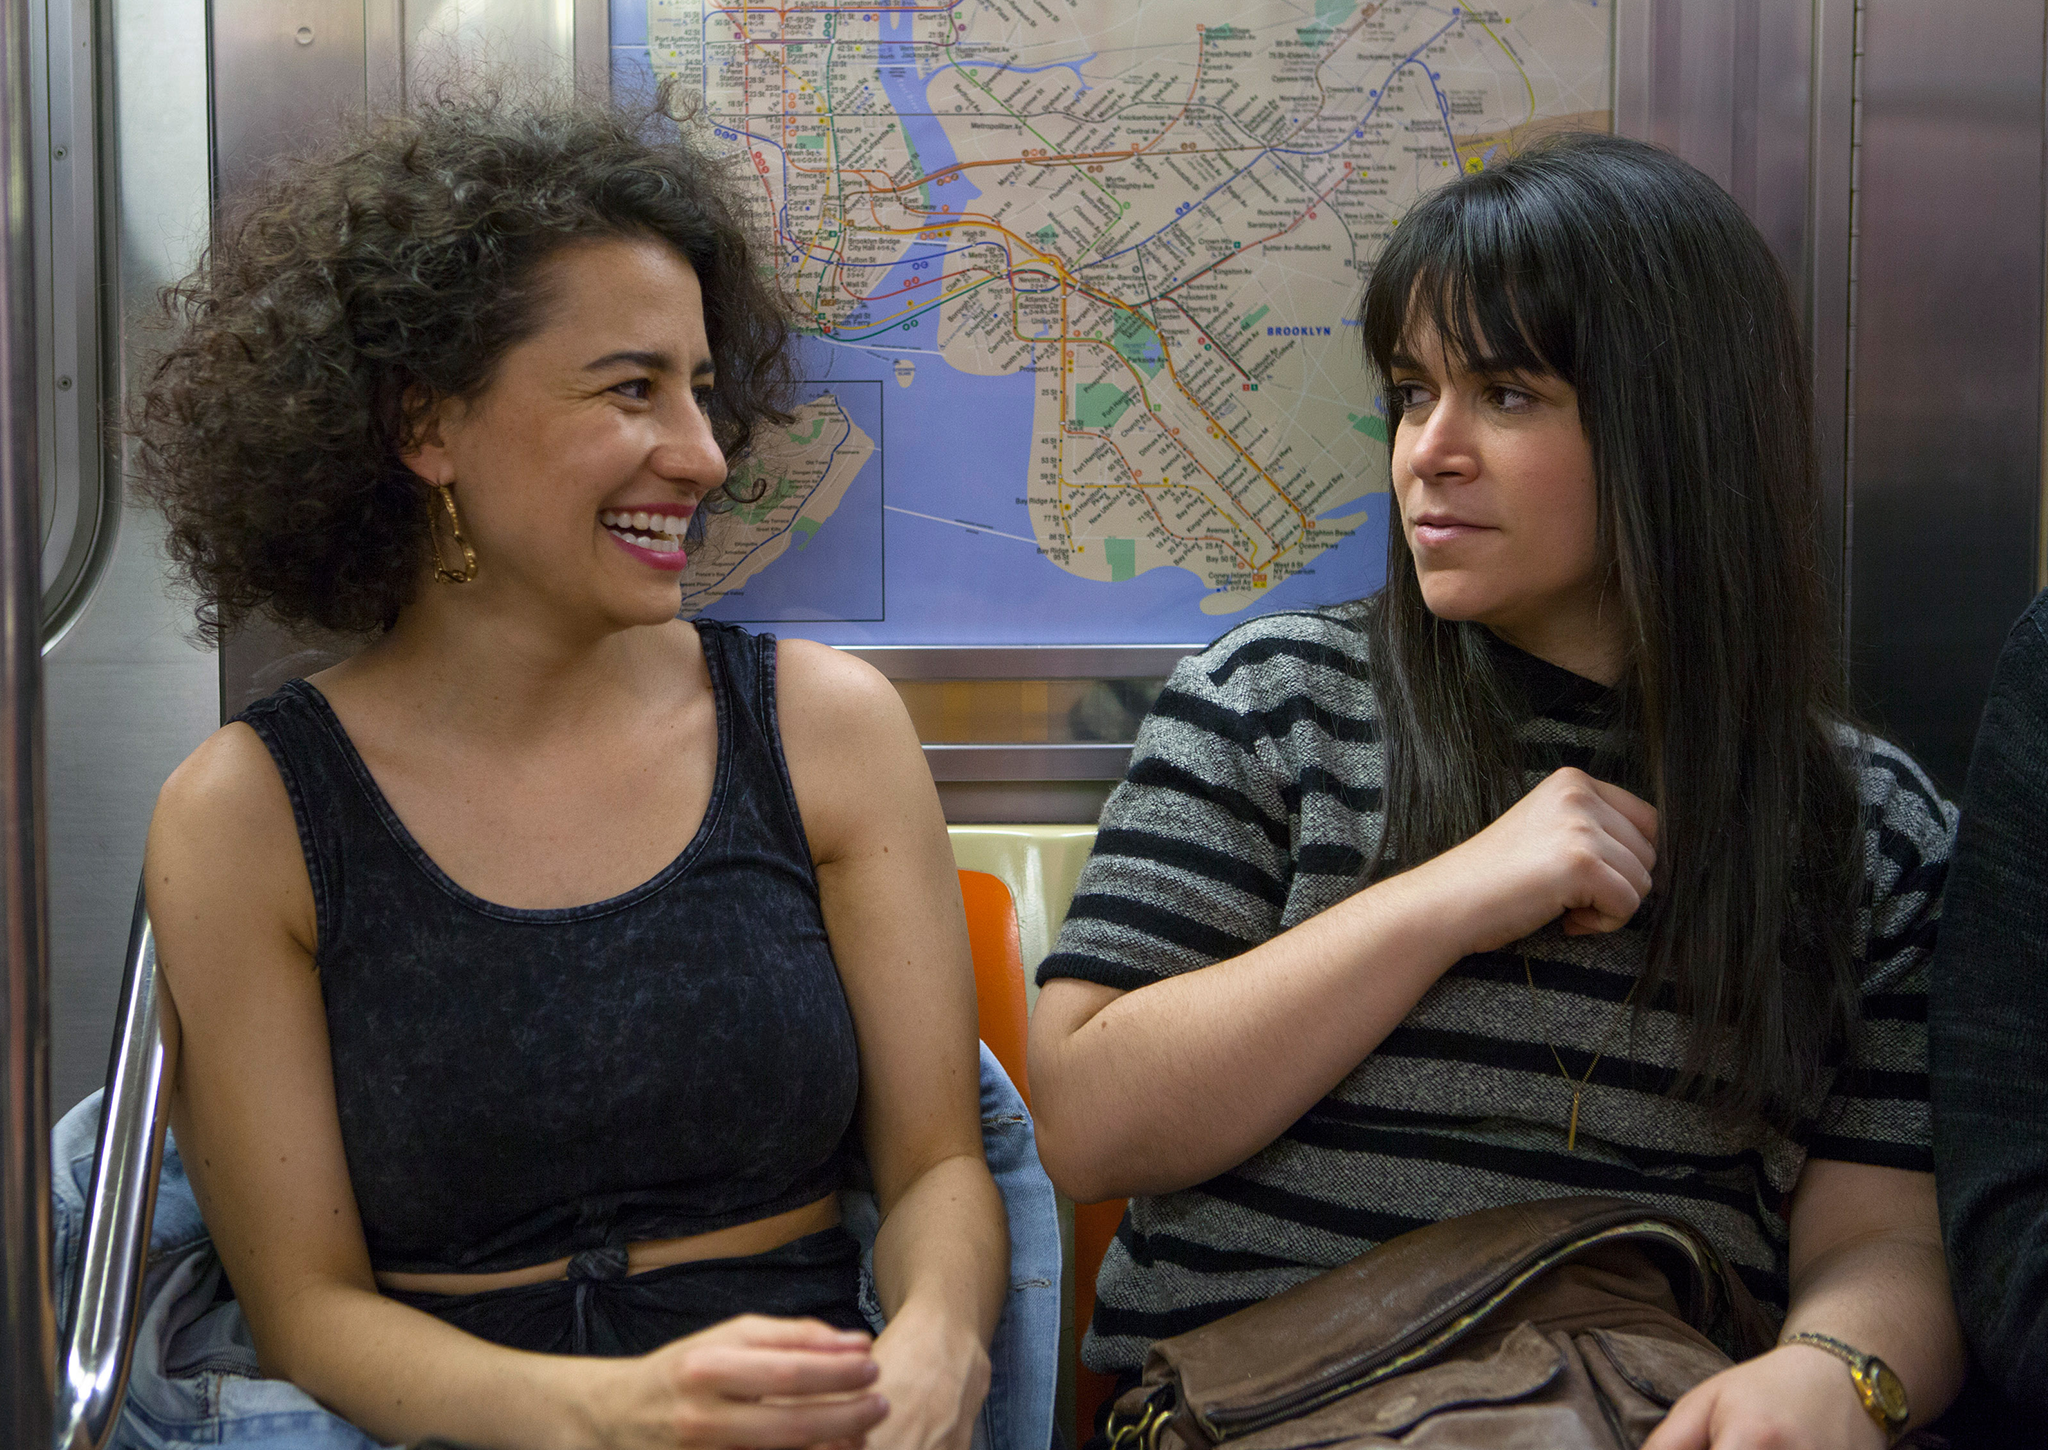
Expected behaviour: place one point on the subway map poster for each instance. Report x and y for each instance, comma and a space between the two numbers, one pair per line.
1078, 284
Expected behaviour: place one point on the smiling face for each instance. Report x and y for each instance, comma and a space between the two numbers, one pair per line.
1493, 475
579, 465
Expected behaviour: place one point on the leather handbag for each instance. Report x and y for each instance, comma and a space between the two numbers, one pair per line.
1572, 1323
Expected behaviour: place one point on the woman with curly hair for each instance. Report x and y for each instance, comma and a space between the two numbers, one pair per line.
534, 973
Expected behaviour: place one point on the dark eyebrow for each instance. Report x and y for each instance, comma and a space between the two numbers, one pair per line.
1498, 367
657, 362
1478, 367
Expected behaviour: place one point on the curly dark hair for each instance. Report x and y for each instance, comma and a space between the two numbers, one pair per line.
395, 266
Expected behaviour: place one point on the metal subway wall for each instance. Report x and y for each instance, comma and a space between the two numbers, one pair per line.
128, 694
1891, 151
1946, 387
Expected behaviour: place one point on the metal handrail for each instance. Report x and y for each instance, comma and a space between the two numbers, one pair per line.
100, 1346
26, 1327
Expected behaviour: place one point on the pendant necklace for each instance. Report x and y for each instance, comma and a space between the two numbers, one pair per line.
1578, 1086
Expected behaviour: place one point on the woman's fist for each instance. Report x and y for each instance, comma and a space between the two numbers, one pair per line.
1574, 847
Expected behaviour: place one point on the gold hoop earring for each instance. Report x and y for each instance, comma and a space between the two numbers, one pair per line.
468, 570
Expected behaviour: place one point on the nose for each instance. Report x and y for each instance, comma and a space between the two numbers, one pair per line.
1440, 445
686, 451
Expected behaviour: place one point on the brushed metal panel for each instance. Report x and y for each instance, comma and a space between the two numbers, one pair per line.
1945, 485
284, 71
384, 53
535, 39
592, 29
1756, 94
81, 498
1826, 289
1726, 85
128, 695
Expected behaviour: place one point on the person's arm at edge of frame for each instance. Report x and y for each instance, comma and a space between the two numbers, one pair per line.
891, 899
1988, 1030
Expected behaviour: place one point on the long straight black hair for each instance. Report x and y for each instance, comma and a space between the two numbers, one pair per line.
1634, 278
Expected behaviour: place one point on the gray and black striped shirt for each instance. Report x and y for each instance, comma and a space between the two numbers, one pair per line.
1252, 804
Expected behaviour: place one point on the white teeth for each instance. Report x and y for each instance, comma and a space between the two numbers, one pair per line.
647, 529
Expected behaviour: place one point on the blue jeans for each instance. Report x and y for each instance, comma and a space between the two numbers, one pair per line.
195, 1381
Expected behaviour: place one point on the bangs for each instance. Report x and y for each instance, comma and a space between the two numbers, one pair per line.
1469, 263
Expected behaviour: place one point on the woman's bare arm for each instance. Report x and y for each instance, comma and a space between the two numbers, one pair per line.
1867, 1269
891, 899
253, 1103
1153, 1090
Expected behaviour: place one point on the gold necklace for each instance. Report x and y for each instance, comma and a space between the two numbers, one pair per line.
1571, 1133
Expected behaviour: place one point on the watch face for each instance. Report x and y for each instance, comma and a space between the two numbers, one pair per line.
1891, 1395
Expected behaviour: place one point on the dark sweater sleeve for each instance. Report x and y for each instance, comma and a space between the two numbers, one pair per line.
1988, 1030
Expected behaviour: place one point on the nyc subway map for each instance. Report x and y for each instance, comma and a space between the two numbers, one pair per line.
1078, 281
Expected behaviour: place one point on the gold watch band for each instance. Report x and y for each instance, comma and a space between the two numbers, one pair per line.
1883, 1396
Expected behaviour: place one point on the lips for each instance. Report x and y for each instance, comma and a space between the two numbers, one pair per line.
1431, 531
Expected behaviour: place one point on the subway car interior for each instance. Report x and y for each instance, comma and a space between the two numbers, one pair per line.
1109, 600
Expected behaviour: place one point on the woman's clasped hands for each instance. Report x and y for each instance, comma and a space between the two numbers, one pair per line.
751, 1381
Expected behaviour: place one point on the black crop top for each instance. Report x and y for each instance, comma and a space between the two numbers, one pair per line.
519, 1085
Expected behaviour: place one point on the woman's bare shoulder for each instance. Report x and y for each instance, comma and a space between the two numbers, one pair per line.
223, 843
229, 778
834, 684
853, 754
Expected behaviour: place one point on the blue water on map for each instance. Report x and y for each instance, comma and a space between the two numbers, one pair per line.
835, 572
906, 89
958, 448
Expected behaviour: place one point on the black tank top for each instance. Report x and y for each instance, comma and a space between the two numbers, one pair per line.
519, 1085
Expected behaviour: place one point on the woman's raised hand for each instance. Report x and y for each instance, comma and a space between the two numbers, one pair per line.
1573, 847
748, 1382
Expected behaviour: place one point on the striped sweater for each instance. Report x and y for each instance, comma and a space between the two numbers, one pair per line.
1253, 803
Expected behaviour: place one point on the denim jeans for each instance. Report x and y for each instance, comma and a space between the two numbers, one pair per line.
195, 1381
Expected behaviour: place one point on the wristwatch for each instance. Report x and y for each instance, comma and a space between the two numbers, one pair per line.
1884, 1398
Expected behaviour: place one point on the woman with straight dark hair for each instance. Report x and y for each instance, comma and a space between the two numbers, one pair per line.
1554, 868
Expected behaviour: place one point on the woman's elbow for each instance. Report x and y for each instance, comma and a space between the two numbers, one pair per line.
1075, 1170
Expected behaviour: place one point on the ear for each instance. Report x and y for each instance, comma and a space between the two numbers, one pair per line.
428, 422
